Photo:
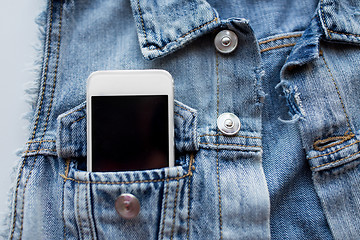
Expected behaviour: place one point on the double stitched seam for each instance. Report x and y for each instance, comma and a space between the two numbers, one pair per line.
188, 217
38, 150
189, 173
339, 95
323, 16
142, 22
215, 135
229, 144
77, 110
36, 122
78, 212
189, 187
183, 36
217, 149
42, 141
339, 139
46, 68
195, 29
277, 47
130, 182
63, 203
165, 208
348, 34
174, 212
177, 114
326, 154
186, 109
176, 40
326, 164
326, 27
88, 210
77, 120
332, 140
47, 117
280, 38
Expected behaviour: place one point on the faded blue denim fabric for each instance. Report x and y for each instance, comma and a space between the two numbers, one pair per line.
291, 172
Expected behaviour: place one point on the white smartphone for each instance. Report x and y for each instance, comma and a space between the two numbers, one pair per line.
130, 123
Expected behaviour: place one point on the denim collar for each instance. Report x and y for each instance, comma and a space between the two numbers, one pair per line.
166, 26
333, 21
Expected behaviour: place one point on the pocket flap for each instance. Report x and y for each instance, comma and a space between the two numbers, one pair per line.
71, 134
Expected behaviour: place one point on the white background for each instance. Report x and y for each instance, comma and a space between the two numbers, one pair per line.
18, 37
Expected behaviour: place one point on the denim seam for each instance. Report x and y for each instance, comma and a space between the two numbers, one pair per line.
174, 212
165, 208
36, 123
277, 47
183, 36
142, 22
338, 140
63, 203
63, 211
219, 191
129, 182
77, 110
77, 120
217, 149
348, 34
217, 85
42, 141
88, 211
280, 38
55, 71
67, 169
323, 16
326, 154
326, 164
326, 27
23, 198
186, 109
229, 144
78, 213
198, 28
38, 150
215, 135
339, 95
175, 40
46, 68
177, 114
189, 173
47, 117
188, 217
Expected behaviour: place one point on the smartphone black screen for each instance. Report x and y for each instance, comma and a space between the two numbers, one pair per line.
129, 132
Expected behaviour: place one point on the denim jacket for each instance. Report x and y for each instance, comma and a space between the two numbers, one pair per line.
292, 81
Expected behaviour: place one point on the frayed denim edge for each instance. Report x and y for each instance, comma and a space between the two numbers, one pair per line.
293, 100
32, 87
31, 90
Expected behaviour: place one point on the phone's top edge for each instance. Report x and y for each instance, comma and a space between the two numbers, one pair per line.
110, 72
98, 79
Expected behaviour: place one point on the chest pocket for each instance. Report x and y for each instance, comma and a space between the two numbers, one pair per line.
163, 195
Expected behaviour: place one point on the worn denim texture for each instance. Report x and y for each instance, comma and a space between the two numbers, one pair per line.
292, 172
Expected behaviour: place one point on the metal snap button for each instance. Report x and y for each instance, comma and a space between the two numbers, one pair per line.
226, 41
228, 123
127, 206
